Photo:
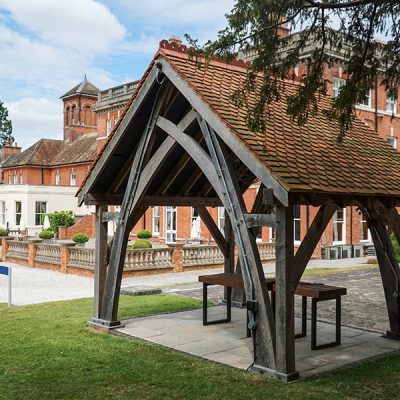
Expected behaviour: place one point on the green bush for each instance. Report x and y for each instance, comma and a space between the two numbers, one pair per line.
396, 247
80, 238
144, 234
46, 234
140, 244
3, 232
60, 218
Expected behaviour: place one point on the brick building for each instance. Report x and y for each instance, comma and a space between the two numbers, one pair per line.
44, 177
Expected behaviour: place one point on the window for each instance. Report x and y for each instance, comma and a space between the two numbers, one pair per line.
108, 126
18, 213
171, 224
391, 104
337, 84
339, 226
3, 213
297, 223
392, 141
195, 224
9, 178
20, 178
272, 235
15, 179
58, 179
156, 220
367, 99
221, 219
364, 235
40, 211
72, 179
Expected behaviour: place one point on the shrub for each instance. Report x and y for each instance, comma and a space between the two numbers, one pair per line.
60, 218
3, 232
396, 247
144, 234
140, 244
46, 234
80, 238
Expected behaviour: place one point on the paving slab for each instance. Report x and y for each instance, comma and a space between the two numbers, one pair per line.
227, 343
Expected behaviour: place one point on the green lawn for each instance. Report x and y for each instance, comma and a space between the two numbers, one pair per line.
48, 352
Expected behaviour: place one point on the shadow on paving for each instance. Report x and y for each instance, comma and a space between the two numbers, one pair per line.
363, 307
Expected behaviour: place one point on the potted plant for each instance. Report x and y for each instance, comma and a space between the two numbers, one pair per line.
144, 234
46, 235
140, 244
80, 239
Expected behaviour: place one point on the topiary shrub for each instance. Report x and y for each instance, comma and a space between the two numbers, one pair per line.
80, 238
3, 232
140, 244
46, 234
60, 218
144, 234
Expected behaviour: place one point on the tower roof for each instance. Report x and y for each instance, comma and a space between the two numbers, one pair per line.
85, 87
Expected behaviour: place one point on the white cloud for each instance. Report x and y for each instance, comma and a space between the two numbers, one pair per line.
84, 26
34, 119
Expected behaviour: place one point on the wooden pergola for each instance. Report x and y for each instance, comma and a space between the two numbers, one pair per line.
181, 142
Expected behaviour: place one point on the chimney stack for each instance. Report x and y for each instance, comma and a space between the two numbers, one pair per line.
9, 149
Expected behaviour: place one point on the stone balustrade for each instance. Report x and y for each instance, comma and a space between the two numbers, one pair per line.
48, 253
67, 257
18, 249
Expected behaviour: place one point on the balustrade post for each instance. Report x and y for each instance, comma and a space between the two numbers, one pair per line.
32, 251
65, 255
4, 247
177, 257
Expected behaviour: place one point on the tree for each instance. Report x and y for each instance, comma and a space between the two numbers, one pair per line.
5, 126
253, 28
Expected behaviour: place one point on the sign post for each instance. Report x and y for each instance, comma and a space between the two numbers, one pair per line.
8, 272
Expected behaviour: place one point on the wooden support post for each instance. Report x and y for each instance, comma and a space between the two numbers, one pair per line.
284, 295
229, 261
388, 267
100, 268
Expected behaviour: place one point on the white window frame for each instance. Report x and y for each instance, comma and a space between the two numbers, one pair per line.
108, 126
40, 213
3, 211
171, 234
155, 218
72, 178
195, 224
337, 84
392, 141
271, 235
364, 221
221, 219
58, 179
368, 96
391, 104
15, 181
295, 222
15, 213
334, 222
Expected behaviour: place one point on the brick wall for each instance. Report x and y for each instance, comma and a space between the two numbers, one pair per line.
86, 225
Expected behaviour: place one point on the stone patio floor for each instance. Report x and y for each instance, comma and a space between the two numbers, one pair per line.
227, 343
364, 319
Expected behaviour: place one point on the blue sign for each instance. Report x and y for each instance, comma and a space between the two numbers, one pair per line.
4, 270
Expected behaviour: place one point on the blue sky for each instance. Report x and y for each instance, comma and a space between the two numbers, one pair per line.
47, 46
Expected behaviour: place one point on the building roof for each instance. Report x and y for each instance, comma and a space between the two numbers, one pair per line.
85, 87
304, 158
49, 153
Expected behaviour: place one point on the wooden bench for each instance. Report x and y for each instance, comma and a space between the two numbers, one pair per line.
316, 291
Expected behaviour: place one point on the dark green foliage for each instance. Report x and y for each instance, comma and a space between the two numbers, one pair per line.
396, 247
3, 232
60, 218
144, 234
252, 28
5, 126
80, 238
46, 234
140, 244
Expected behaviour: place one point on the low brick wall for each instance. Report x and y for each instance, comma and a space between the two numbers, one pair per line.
86, 225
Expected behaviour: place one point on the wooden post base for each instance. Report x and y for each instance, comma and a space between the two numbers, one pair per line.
104, 325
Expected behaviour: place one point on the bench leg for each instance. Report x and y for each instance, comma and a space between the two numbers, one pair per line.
228, 307
337, 341
303, 318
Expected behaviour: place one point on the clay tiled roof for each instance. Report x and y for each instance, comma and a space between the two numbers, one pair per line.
48, 152
304, 158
